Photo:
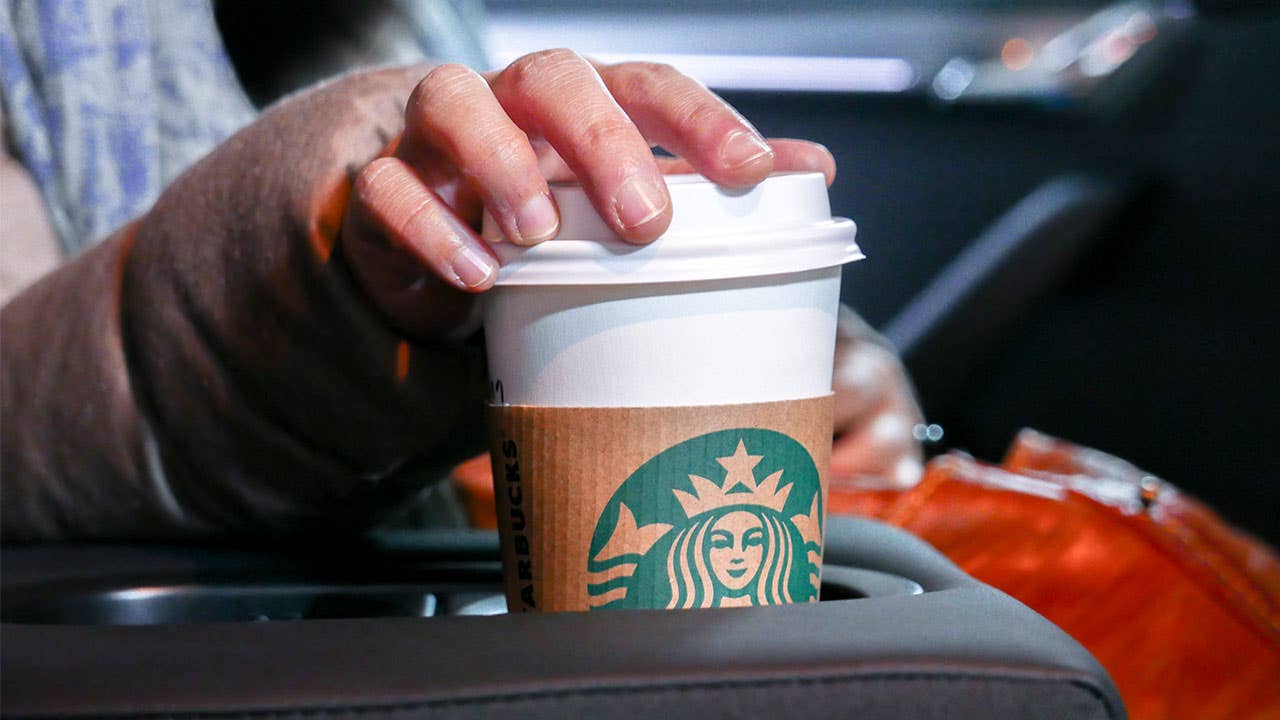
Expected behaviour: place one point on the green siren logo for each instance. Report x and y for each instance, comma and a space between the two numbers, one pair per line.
731, 518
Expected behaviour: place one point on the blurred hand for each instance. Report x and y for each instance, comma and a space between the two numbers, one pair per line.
875, 412
494, 141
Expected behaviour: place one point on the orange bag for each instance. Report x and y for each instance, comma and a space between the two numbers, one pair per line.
1178, 606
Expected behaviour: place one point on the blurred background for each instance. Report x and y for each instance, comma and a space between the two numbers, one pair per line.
1069, 208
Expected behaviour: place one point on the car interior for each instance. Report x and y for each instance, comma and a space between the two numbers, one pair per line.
1067, 208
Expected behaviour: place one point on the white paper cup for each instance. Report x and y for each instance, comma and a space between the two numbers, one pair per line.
735, 303
688, 343
707, 353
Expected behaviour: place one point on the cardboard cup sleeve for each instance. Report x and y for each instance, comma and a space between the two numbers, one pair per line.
661, 507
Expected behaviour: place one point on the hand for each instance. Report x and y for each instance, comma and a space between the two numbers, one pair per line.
875, 412
494, 140
235, 361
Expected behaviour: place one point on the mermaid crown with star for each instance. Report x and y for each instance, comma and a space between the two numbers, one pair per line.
739, 487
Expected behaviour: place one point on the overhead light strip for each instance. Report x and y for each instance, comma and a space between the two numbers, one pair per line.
779, 72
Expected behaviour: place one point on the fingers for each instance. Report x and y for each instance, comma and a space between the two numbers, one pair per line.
788, 156
678, 113
875, 410
558, 96
803, 156
881, 446
482, 128
863, 379
874, 417
411, 219
453, 112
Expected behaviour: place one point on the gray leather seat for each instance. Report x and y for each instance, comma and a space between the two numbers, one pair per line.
955, 649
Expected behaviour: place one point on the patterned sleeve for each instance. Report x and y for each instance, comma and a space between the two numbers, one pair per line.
108, 100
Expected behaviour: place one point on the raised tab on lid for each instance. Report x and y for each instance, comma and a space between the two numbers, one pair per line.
782, 225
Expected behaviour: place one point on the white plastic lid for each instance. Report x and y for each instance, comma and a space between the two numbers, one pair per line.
782, 225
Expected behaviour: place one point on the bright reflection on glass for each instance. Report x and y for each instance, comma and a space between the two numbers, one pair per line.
1016, 53
1059, 53
1106, 54
1068, 65
1115, 46
784, 72
953, 79
932, 432
141, 593
1140, 28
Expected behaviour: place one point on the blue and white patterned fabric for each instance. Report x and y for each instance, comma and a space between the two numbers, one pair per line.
106, 101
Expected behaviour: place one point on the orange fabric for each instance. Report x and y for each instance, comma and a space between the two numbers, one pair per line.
1177, 641
1238, 561
1182, 609
473, 481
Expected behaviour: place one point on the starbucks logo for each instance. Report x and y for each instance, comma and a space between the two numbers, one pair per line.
731, 518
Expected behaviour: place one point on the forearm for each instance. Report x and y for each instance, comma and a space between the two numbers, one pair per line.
72, 443
213, 368
280, 397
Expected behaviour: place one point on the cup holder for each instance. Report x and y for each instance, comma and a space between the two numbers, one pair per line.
194, 648
846, 583
230, 600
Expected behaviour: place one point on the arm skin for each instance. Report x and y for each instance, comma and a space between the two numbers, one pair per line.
212, 367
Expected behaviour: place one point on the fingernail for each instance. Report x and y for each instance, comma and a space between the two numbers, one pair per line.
472, 267
638, 201
742, 147
537, 220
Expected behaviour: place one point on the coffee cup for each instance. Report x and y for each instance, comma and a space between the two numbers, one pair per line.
661, 414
